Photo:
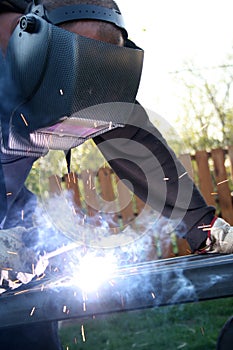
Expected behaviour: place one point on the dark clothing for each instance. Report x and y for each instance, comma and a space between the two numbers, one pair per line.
2, 183
41, 336
16, 207
21, 202
137, 153
148, 167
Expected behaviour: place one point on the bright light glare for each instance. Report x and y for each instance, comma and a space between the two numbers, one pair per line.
93, 271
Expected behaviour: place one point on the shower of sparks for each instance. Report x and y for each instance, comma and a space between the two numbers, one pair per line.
222, 182
83, 333
182, 175
93, 271
24, 119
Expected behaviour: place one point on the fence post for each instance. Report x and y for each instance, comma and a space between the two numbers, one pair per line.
223, 190
204, 177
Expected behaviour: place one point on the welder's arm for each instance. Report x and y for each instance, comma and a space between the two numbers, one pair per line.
139, 154
20, 201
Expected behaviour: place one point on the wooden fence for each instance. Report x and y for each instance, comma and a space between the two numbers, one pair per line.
211, 171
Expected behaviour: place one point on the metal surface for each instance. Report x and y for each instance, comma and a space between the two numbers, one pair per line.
146, 285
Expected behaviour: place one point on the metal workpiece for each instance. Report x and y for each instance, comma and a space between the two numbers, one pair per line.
146, 285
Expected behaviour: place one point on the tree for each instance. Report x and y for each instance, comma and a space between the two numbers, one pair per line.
207, 94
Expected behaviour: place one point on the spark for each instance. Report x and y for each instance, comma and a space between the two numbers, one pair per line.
222, 182
166, 178
90, 184
84, 306
204, 227
110, 126
75, 340
203, 127
13, 253
9, 194
61, 92
153, 295
74, 178
83, 333
24, 119
22, 215
64, 309
32, 312
22, 292
214, 193
202, 331
182, 175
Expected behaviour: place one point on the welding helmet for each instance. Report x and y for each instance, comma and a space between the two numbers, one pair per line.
70, 87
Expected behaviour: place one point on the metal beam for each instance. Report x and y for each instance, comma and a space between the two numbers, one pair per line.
145, 285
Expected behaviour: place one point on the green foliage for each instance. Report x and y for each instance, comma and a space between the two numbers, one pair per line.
207, 94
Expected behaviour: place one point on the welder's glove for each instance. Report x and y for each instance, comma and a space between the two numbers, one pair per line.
14, 254
220, 238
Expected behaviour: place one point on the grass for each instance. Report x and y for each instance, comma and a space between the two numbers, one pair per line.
194, 326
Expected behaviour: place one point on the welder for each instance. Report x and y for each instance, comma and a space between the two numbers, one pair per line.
52, 24
66, 53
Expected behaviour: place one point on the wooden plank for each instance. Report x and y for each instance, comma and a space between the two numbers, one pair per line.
105, 180
71, 181
223, 189
204, 176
